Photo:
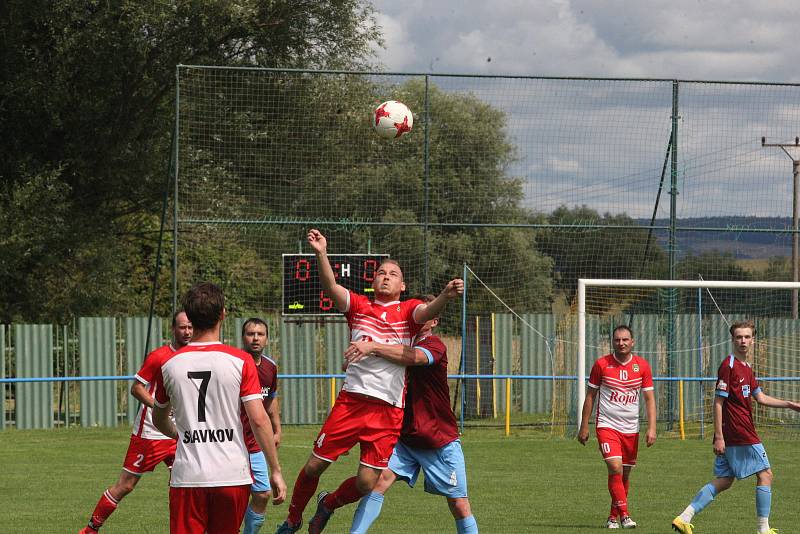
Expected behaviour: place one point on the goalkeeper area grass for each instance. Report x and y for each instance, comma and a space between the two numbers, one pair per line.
50, 481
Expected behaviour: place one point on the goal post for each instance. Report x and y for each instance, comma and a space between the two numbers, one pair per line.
585, 284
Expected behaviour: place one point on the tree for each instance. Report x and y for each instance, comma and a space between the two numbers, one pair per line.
588, 245
86, 111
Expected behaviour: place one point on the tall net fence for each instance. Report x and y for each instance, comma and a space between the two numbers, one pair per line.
526, 184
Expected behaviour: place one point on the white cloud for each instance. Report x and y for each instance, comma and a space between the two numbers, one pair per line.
609, 38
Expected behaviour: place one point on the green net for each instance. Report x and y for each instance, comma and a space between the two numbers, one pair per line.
530, 182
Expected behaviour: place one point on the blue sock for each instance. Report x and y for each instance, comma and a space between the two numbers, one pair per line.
763, 500
468, 525
252, 521
369, 508
704, 497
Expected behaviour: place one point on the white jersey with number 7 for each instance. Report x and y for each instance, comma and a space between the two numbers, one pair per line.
206, 383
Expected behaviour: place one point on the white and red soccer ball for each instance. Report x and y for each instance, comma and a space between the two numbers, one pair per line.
392, 119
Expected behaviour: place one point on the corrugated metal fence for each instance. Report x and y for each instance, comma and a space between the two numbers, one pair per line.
539, 347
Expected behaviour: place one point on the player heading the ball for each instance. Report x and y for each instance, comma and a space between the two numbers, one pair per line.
369, 409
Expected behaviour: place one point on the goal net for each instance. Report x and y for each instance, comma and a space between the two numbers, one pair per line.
682, 329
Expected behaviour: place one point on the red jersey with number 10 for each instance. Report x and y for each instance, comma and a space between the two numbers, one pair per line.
620, 386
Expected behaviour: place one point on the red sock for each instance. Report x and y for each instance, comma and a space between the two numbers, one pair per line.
105, 507
304, 489
346, 493
626, 483
618, 498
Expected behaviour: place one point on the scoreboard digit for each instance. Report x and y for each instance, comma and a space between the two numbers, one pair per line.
302, 291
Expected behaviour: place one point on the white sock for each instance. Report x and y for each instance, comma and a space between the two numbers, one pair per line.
763, 524
688, 514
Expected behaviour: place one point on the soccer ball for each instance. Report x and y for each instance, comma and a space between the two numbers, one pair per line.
392, 119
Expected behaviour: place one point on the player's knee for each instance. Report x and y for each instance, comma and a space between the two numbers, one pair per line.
459, 507
259, 500
365, 484
315, 467
765, 477
723, 483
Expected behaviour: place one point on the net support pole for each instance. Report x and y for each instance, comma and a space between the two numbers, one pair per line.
680, 404
580, 383
508, 407
463, 343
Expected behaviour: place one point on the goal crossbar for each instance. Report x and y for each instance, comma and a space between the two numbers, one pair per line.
583, 283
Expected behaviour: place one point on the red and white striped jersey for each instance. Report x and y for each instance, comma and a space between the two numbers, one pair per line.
382, 322
620, 386
206, 384
143, 426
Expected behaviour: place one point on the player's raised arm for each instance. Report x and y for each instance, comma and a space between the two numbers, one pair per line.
338, 293
425, 312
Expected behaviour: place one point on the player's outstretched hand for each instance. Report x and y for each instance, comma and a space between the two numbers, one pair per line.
454, 288
278, 488
317, 240
794, 406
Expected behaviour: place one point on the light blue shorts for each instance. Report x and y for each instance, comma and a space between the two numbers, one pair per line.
741, 461
260, 472
444, 468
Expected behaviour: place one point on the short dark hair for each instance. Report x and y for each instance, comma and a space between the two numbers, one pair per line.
255, 320
622, 327
747, 323
204, 304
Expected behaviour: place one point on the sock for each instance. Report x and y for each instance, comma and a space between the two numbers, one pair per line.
700, 501
367, 512
763, 505
626, 483
346, 493
252, 521
468, 525
104, 508
304, 488
617, 491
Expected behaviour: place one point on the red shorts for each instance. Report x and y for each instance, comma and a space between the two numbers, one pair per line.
145, 454
217, 510
372, 423
615, 444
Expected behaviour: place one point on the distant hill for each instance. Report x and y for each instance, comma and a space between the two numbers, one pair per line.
744, 237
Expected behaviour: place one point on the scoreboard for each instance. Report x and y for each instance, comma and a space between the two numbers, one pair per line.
302, 291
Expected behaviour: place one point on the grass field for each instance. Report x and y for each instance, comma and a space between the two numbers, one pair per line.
51, 480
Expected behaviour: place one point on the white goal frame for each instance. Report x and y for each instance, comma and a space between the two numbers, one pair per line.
583, 283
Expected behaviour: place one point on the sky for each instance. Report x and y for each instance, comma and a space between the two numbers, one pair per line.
602, 143
684, 39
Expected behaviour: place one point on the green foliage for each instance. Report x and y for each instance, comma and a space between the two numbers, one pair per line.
582, 250
86, 111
